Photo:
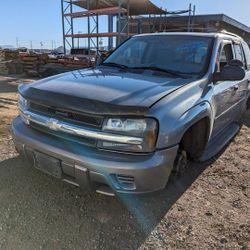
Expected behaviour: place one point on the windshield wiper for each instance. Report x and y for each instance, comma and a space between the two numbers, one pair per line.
113, 64
168, 71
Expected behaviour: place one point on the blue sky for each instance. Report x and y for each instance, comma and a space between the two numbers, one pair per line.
40, 20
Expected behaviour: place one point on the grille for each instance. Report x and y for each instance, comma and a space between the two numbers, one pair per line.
85, 141
70, 116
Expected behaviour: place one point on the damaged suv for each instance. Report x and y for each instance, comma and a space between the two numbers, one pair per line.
156, 102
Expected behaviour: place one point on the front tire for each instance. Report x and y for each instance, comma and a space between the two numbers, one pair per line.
181, 163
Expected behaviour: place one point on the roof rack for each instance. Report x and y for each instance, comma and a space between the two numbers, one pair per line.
229, 33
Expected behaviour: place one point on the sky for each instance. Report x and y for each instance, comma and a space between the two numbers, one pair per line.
30, 22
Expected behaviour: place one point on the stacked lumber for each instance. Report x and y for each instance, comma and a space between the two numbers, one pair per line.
32, 61
52, 60
43, 65
11, 67
14, 62
4, 70
50, 69
6, 54
55, 66
15, 67
10, 62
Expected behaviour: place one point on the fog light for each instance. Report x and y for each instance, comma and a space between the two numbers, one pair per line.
126, 182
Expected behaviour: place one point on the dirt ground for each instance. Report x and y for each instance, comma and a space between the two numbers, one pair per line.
207, 208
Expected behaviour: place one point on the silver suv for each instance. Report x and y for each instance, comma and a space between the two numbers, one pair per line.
156, 102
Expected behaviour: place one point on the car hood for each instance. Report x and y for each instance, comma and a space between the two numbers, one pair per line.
103, 88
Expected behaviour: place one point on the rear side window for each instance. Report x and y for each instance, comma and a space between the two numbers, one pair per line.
225, 56
239, 53
247, 54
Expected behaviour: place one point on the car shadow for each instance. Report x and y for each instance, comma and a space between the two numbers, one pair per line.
150, 209
91, 219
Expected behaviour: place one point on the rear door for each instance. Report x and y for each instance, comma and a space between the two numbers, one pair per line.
241, 88
246, 52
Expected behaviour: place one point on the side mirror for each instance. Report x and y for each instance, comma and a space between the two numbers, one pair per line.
100, 59
102, 56
234, 71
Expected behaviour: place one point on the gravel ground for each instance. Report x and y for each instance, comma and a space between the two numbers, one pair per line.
207, 208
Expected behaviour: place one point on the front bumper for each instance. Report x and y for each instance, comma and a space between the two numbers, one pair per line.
89, 167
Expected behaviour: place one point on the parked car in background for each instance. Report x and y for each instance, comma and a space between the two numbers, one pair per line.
123, 126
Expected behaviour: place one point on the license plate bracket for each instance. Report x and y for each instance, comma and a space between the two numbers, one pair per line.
48, 164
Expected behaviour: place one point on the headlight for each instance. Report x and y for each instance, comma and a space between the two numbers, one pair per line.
147, 129
23, 104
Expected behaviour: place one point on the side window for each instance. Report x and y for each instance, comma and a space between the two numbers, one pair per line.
224, 56
239, 53
247, 54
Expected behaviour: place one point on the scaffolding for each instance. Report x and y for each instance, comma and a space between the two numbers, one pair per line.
93, 35
67, 24
125, 18
120, 10
128, 17
160, 23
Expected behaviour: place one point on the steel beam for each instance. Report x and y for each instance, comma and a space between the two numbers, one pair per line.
67, 24
63, 27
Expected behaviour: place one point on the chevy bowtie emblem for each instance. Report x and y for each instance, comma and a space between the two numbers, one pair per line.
52, 124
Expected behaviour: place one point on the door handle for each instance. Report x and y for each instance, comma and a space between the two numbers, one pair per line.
235, 88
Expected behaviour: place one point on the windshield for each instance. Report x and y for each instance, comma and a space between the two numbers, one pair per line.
180, 54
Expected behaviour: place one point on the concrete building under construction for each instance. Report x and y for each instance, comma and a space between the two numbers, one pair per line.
197, 23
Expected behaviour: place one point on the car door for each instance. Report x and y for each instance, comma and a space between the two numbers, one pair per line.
246, 51
224, 99
241, 89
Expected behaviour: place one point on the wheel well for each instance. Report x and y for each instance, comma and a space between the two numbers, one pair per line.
195, 138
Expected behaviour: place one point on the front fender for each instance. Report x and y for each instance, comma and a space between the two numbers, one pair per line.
195, 114
178, 128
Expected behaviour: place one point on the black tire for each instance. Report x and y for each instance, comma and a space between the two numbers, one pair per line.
181, 163
195, 140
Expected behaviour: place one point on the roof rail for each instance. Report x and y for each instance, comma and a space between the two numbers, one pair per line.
229, 33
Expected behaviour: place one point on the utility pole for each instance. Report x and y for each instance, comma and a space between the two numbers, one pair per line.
189, 17
17, 43
100, 44
41, 43
31, 44
194, 10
